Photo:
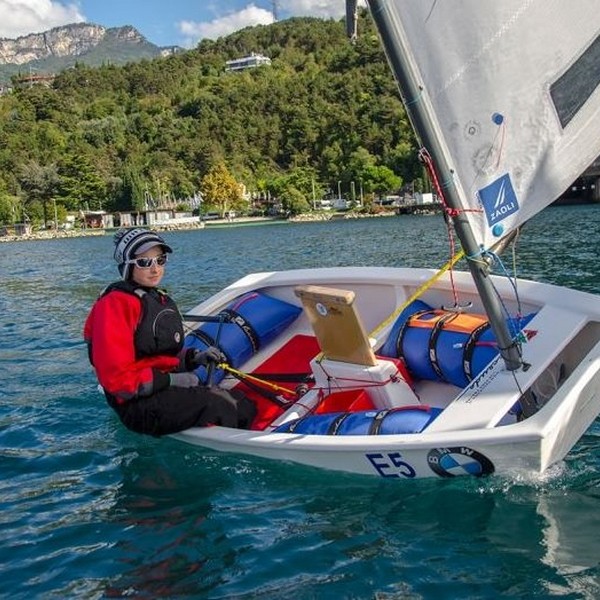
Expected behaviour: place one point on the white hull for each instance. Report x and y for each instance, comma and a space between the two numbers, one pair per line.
475, 433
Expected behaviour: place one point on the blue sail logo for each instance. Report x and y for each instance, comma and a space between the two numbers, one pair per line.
499, 200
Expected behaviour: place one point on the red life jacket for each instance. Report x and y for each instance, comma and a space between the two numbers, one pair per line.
133, 334
160, 329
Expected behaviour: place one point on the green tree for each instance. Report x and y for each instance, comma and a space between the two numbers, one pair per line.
293, 201
131, 190
40, 184
9, 206
381, 181
80, 184
298, 182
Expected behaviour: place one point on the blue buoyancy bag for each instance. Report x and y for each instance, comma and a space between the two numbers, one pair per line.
406, 419
249, 323
390, 347
444, 345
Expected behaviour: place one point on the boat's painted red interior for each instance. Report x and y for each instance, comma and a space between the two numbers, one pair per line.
293, 357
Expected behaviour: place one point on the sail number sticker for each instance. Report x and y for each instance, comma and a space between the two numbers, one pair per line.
391, 464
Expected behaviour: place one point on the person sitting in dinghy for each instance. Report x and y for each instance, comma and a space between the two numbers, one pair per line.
135, 336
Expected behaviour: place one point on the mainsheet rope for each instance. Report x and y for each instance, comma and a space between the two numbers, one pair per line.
242, 376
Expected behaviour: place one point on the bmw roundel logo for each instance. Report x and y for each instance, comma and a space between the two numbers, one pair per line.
459, 460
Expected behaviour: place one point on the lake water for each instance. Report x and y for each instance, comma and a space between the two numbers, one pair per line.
91, 510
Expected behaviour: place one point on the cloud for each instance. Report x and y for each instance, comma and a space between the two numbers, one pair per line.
251, 15
312, 8
20, 17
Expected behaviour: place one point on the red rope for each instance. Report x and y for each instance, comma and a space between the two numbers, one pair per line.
450, 213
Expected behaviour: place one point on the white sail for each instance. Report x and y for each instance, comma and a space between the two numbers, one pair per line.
510, 89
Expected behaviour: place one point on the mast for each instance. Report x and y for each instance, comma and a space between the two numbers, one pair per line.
405, 74
351, 18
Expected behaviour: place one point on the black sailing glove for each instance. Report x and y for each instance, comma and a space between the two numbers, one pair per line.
198, 358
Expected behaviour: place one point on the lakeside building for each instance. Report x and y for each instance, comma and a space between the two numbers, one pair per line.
247, 62
100, 219
45, 80
17, 229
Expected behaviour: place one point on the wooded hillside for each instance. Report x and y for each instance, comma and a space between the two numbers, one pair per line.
326, 115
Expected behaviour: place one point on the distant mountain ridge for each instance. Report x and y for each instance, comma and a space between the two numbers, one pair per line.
61, 47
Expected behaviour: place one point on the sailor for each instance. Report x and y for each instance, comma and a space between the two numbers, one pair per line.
135, 338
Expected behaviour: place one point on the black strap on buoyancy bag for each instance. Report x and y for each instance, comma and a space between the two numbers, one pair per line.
335, 425
207, 339
402, 332
203, 337
294, 424
377, 421
470, 346
232, 316
433, 338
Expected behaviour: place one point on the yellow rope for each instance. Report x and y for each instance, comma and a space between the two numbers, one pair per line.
258, 380
419, 291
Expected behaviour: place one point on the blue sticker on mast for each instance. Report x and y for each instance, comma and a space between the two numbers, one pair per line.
499, 200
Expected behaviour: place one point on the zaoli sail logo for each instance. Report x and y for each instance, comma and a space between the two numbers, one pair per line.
499, 200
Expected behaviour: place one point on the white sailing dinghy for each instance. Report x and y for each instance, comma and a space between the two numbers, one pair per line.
411, 373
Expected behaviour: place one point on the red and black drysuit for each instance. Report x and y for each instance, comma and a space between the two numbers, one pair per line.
135, 339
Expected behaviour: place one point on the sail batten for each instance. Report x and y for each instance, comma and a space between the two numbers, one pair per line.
511, 94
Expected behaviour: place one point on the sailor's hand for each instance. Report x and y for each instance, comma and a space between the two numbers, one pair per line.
199, 358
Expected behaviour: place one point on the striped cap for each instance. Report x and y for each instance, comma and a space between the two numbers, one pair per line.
131, 242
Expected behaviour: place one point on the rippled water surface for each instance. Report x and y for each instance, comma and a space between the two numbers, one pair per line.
90, 510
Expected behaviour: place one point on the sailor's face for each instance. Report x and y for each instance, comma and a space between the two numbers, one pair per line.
149, 272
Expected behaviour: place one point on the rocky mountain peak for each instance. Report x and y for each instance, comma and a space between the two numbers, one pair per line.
67, 41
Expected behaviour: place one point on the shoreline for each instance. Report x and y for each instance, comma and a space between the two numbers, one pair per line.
52, 234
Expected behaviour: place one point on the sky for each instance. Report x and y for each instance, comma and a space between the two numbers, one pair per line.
162, 22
